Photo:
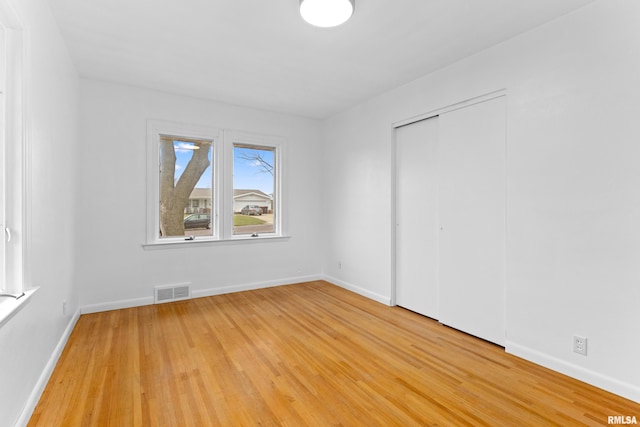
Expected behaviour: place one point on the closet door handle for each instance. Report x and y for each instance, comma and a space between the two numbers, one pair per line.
8, 231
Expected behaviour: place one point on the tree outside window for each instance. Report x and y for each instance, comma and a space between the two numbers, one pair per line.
184, 163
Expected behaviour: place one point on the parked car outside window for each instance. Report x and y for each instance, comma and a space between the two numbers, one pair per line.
197, 221
251, 210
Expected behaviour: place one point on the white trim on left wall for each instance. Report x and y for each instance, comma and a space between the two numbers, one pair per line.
38, 389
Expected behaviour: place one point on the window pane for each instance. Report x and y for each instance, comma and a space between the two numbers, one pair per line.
253, 190
185, 187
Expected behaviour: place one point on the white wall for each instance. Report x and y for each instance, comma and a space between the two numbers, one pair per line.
573, 234
28, 340
113, 268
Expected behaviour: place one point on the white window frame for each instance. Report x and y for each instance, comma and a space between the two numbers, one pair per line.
233, 138
13, 148
222, 186
156, 129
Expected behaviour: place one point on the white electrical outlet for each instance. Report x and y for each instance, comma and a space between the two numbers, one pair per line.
580, 345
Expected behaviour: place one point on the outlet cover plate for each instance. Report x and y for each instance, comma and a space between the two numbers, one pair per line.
580, 345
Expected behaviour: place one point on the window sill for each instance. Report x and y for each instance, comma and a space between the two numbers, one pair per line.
10, 306
203, 242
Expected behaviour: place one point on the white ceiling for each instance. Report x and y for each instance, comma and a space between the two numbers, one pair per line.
259, 53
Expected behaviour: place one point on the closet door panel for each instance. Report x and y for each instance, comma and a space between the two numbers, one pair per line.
417, 216
472, 219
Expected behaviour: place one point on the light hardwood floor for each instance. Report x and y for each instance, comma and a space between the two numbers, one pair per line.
307, 354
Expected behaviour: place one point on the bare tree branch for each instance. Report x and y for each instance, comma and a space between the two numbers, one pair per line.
259, 160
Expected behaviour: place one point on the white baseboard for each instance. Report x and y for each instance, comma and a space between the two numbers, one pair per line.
196, 293
38, 389
596, 379
116, 305
358, 290
252, 286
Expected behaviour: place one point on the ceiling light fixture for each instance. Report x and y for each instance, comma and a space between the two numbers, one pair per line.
326, 13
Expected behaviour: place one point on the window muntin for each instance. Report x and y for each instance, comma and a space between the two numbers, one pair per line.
254, 179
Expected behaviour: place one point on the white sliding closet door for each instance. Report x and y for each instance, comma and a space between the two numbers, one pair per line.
472, 219
417, 217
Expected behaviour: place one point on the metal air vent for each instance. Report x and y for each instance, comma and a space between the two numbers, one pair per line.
168, 293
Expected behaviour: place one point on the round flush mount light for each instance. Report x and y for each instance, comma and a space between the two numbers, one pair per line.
326, 13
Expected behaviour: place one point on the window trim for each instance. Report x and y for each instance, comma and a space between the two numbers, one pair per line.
247, 139
15, 166
224, 141
156, 129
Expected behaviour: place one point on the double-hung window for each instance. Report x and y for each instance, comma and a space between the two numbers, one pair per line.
210, 184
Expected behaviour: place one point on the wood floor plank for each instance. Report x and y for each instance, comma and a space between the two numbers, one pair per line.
307, 354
